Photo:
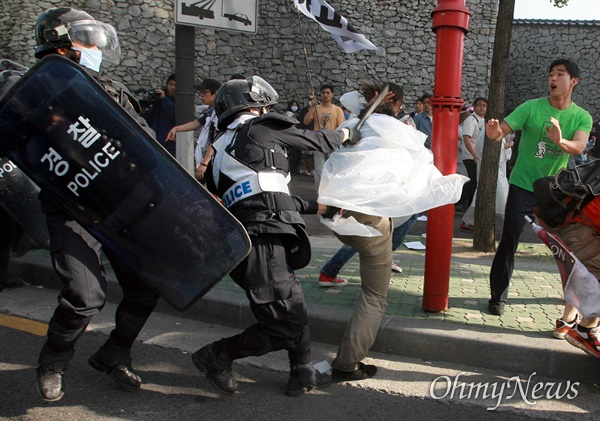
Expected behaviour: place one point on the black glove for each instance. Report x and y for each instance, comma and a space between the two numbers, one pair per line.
353, 138
330, 212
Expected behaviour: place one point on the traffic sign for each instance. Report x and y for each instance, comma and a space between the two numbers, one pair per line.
236, 15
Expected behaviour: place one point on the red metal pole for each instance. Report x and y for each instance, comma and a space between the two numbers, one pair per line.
450, 24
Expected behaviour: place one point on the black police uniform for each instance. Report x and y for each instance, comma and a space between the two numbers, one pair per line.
276, 229
77, 262
7, 232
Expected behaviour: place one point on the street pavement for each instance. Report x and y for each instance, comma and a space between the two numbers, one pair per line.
519, 342
404, 388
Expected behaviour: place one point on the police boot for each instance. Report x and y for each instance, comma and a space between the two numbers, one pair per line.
302, 381
9, 282
63, 332
206, 360
116, 362
49, 384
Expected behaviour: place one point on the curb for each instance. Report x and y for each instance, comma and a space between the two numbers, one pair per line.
433, 341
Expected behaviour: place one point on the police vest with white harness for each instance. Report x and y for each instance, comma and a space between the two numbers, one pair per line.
237, 180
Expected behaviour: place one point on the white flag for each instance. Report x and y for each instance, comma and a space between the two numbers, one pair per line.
348, 38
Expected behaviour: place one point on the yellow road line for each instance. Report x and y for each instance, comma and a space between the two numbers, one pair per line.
29, 326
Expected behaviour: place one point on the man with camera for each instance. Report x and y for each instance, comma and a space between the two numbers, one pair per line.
161, 114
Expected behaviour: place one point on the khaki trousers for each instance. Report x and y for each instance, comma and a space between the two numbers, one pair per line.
584, 243
375, 255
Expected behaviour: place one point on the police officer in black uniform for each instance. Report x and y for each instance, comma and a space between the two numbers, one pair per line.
8, 226
250, 173
8, 229
75, 253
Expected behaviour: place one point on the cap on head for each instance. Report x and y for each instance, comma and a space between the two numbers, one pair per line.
212, 85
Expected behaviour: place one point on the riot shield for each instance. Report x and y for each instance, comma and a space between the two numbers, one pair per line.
61, 128
18, 196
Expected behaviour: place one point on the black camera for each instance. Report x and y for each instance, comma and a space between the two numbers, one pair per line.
148, 98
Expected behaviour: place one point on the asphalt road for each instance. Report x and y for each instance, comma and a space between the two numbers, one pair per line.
174, 390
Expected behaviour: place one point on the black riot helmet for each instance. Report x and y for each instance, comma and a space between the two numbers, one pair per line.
242, 94
61, 26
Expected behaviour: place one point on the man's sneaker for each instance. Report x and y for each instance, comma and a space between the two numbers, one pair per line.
294, 388
496, 308
330, 281
467, 228
121, 373
363, 371
222, 380
396, 268
562, 328
49, 384
585, 339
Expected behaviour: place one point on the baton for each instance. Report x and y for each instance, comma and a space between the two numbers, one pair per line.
370, 110
374, 105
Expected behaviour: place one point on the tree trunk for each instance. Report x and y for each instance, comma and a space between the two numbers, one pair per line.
485, 206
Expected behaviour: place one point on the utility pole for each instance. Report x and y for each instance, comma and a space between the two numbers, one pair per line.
450, 24
185, 37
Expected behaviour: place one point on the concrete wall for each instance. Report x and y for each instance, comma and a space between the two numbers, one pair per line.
535, 44
401, 30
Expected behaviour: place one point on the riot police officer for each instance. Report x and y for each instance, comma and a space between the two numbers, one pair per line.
75, 253
7, 237
250, 173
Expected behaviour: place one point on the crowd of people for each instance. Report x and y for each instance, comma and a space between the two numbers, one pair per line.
241, 142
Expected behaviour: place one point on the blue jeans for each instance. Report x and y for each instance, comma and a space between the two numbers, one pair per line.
520, 202
345, 253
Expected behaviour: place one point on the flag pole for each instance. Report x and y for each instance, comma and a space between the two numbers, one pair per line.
312, 87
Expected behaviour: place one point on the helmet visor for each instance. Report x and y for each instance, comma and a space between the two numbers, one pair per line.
263, 92
92, 33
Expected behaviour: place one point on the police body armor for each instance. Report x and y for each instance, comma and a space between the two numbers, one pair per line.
251, 176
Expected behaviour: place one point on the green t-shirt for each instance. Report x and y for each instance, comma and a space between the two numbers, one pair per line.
538, 156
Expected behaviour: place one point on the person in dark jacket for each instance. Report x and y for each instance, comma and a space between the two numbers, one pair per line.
161, 115
250, 173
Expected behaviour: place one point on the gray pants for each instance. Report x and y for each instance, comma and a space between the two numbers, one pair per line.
375, 254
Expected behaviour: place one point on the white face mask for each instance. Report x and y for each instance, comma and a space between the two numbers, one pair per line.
92, 59
294, 108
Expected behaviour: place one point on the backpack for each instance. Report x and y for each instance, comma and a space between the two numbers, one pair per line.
560, 198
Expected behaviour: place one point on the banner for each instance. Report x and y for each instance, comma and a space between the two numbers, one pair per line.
348, 38
581, 288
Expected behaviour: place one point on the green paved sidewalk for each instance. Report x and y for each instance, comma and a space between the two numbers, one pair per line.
534, 303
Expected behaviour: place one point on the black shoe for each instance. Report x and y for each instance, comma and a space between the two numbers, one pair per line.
121, 373
11, 282
49, 384
294, 388
496, 308
222, 380
363, 371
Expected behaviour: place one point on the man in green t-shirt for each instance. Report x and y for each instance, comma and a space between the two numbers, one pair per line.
552, 128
